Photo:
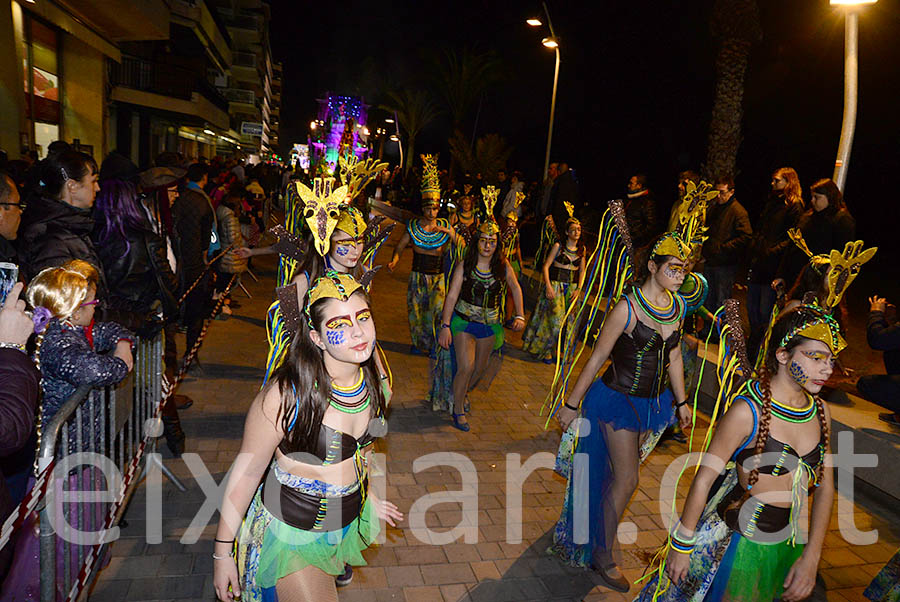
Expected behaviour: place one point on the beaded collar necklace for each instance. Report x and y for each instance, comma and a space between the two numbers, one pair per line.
341, 396
424, 239
785, 412
669, 314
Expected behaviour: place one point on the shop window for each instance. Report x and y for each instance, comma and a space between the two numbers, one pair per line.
42, 86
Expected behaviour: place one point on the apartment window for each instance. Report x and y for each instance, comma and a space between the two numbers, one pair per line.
42, 82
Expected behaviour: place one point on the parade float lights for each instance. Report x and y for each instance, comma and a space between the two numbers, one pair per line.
340, 128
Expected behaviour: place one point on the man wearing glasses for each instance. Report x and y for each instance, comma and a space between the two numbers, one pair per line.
10, 215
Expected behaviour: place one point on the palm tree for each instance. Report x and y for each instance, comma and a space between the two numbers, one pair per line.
735, 24
462, 77
490, 154
414, 109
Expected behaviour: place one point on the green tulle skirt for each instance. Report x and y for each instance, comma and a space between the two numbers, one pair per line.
269, 549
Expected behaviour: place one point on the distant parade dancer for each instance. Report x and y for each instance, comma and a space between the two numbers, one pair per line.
562, 274
472, 314
431, 238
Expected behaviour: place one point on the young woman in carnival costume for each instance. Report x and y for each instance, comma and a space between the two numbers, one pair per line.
311, 428
563, 276
739, 537
626, 410
472, 314
349, 246
464, 220
430, 238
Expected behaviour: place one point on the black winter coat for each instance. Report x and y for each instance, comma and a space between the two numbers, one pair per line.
53, 232
770, 239
193, 219
640, 214
823, 231
138, 274
885, 336
8, 251
729, 234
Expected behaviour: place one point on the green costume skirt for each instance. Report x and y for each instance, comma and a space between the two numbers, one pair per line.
542, 331
425, 301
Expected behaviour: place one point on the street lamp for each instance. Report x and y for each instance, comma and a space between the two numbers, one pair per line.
551, 42
312, 125
851, 87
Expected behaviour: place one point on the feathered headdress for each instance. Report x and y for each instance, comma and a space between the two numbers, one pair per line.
356, 174
431, 183
686, 240
844, 266
489, 196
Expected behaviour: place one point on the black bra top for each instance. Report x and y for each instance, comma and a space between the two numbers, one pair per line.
564, 258
788, 455
333, 446
640, 361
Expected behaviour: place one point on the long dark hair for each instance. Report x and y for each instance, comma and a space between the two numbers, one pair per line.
58, 168
827, 187
303, 374
498, 263
117, 210
786, 323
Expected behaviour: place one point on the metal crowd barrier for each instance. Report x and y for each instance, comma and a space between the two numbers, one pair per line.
118, 423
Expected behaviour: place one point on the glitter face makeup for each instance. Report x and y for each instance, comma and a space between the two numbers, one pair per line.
820, 356
674, 271
339, 322
798, 373
335, 337
350, 335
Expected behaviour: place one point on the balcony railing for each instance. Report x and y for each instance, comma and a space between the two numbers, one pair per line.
244, 59
163, 79
238, 95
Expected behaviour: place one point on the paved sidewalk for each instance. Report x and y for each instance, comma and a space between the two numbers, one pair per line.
504, 421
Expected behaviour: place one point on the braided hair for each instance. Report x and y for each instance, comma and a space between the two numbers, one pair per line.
785, 324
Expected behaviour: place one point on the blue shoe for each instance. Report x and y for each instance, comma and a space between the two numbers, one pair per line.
463, 426
346, 578
548, 360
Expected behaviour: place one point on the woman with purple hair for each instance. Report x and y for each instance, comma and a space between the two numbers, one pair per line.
139, 276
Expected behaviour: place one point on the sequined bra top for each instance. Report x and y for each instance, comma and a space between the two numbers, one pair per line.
640, 360
788, 457
481, 292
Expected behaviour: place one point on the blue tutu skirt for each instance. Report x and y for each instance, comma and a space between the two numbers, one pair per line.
587, 516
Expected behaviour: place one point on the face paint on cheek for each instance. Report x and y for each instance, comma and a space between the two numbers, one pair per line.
335, 337
364, 354
342, 250
798, 373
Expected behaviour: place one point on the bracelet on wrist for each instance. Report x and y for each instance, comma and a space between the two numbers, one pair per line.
681, 403
222, 557
519, 318
573, 408
684, 545
12, 346
445, 326
223, 540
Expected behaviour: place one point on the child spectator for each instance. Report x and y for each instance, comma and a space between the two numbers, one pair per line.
71, 348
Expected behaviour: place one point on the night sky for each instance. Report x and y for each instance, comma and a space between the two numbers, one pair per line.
636, 87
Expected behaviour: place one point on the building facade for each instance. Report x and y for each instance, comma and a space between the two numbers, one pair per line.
138, 77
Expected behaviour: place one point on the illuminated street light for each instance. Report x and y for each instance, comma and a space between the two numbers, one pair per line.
389, 120
851, 86
209, 132
395, 138
312, 125
551, 42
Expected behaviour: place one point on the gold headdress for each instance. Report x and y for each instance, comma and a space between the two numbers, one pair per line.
489, 196
333, 285
685, 242
352, 222
321, 209
844, 266
514, 214
570, 209
822, 328
431, 185
357, 174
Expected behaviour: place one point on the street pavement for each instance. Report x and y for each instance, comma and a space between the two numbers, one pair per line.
505, 420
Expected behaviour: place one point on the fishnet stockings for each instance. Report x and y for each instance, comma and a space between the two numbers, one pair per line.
308, 585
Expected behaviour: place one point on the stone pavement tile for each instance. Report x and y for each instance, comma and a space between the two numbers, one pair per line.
423, 594
368, 578
134, 567
489, 550
841, 557
381, 556
455, 592
844, 576
442, 574
420, 555
403, 576
458, 552
110, 590
485, 569
176, 564
169, 588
